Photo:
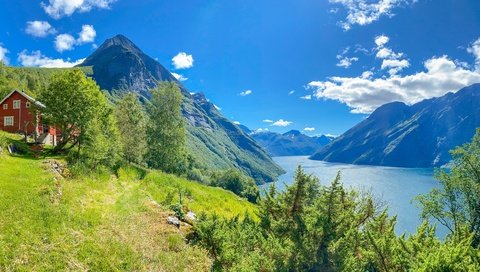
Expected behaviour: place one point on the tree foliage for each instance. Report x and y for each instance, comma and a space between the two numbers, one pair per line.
456, 203
76, 106
235, 181
131, 122
72, 101
166, 132
101, 144
310, 227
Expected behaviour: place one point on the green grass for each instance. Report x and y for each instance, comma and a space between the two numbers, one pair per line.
197, 197
99, 222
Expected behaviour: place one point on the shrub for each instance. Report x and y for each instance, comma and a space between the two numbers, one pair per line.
233, 180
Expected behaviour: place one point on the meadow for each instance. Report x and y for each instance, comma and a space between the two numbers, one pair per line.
101, 221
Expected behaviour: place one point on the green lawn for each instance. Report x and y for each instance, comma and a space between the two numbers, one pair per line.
101, 222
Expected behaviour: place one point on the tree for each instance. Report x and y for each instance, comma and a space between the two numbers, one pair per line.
72, 100
131, 123
456, 203
100, 145
166, 132
235, 181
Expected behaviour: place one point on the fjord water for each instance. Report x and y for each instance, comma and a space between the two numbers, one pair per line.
395, 187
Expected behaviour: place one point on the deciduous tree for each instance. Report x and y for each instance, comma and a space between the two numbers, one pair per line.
131, 124
166, 132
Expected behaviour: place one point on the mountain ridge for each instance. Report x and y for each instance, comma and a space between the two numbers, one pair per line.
290, 143
419, 135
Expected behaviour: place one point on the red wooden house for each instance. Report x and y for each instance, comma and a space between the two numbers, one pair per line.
21, 113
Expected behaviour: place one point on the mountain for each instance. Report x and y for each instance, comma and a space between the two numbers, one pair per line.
420, 135
291, 143
118, 64
214, 141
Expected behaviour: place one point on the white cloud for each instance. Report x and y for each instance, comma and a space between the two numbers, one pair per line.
346, 62
245, 93
281, 123
394, 65
381, 40
61, 8
39, 29
64, 42
3, 54
87, 35
387, 53
474, 49
367, 74
291, 92
182, 61
179, 77
260, 130
36, 59
267, 121
391, 60
364, 12
365, 94
309, 129
306, 97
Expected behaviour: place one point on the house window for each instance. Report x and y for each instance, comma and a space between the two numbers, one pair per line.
8, 121
16, 104
28, 104
5, 106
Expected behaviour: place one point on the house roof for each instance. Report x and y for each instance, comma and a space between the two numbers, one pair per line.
29, 98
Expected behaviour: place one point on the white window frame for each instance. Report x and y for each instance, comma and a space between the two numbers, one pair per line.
17, 104
28, 104
5, 106
10, 121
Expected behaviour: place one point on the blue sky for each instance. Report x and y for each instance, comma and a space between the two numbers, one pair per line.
320, 65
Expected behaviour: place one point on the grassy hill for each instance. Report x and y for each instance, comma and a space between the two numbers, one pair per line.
100, 222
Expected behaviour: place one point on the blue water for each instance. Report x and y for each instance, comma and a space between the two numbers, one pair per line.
394, 187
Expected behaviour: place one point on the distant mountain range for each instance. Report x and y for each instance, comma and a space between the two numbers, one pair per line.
118, 66
291, 143
420, 135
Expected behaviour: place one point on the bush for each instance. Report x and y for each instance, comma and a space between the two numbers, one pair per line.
196, 174
233, 180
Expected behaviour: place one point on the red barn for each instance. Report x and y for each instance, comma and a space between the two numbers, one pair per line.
20, 113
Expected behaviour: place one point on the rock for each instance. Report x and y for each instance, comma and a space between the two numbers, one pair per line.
172, 220
191, 216
58, 168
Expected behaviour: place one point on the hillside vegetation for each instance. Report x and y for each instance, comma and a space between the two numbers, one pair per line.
99, 222
30, 79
